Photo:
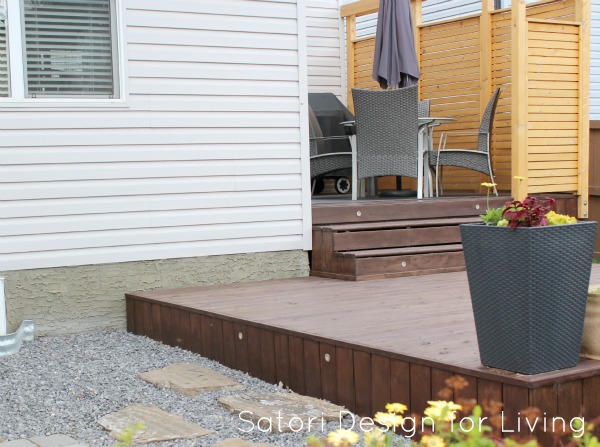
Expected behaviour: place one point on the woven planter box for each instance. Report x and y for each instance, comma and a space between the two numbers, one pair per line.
529, 289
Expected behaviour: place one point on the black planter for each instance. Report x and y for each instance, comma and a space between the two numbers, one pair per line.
529, 291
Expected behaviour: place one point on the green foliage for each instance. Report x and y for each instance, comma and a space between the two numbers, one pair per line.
492, 216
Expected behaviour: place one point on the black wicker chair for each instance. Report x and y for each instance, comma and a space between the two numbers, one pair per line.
386, 132
477, 160
423, 108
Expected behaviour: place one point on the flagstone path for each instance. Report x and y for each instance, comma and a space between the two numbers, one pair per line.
265, 412
44, 441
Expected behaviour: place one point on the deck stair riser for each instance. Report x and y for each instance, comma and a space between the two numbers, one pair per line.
364, 244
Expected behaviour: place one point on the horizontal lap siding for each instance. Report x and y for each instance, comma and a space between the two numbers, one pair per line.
595, 62
553, 115
204, 160
363, 63
450, 74
324, 47
501, 77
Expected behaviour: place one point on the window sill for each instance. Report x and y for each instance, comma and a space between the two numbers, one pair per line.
66, 104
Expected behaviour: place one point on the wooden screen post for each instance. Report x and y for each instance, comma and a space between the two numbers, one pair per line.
350, 38
485, 74
519, 98
350, 11
417, 16
485, 62
582, 15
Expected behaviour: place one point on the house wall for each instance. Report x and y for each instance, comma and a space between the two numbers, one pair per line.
433, 10
203, 158
325, 48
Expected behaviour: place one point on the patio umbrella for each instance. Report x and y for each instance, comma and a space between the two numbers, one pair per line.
395, 60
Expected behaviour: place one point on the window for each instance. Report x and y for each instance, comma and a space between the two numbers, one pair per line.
68, 49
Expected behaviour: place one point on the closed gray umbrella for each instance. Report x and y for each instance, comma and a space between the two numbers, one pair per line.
395, 61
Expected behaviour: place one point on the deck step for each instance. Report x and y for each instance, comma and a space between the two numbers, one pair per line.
402, 251
423, 243
414, 223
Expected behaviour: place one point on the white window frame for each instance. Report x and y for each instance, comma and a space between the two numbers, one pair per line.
17, 72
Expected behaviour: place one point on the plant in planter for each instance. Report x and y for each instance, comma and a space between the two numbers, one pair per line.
528, 278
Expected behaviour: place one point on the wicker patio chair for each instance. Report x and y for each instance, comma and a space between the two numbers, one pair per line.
386, 132
476, 160
423, 108
321, 163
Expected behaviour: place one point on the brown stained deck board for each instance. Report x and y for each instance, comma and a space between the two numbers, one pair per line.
331, 212
241, 346
345, 378
402, 251
328, 370
438, 383
591, 391
343, 211
372, 226
297, 299
546, 399
282, 358
406, 237
570, 399
395, 340
381, 382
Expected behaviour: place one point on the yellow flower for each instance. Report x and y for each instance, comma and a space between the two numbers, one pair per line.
440, 409
396, 408
503, 223
343, 437
432, 441
518, 177
375, 438
388, 419
488, 185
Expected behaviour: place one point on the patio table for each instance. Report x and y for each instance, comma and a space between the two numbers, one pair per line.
425, 143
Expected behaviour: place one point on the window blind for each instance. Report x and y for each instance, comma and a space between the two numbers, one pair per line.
3, 51
68, 48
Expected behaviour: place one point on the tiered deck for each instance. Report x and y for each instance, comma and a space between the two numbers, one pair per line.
359, 344
375, 239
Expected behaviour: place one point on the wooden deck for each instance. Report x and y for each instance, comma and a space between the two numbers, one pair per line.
359, 344
382, 238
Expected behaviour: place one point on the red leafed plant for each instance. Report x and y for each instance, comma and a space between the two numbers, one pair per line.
530, 212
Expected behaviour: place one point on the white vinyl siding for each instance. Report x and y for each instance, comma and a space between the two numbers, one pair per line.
433, 11
207, 158
436, 10
325, 46
3, 51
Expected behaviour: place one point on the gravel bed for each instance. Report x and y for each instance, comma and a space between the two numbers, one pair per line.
63, 385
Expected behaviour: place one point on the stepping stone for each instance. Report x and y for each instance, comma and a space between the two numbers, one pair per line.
279, 412
54, 441
188, 379
158, 425
18, 443
233, 442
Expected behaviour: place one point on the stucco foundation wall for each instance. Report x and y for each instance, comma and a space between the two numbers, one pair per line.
67, 300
